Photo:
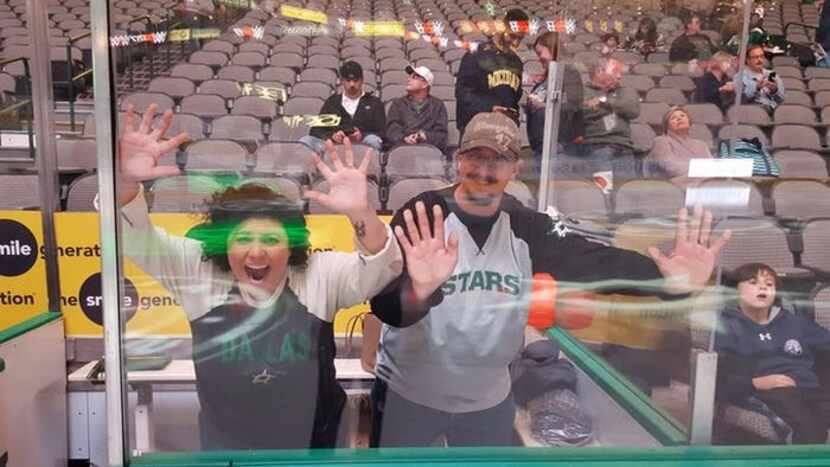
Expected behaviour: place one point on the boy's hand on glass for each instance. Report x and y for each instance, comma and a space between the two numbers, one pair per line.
766, 383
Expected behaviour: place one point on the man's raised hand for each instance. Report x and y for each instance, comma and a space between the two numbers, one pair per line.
690, 265
429, 259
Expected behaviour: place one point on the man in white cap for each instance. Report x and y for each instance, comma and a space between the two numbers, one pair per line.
417, 118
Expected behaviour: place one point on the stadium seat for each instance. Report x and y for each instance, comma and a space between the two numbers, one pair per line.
219, 46
192, 71
253, 60
652, 113
668, 95
238, 73
76, 153
708, 114
794, 163
320, 75
683, 83
795, 137
816, 254
748, 115
415, 161
404, 190
650, 198
801, 199
755, 240
82, 193
302, 106
278, 73
821, 306
286, 130
392, 91
797, 97
228, 89
237, 127
323, 61
142, 100
816, 85
216, 155
183, 193
580, 199
204, 105
643, 137
521, 192
174, 87
259, 47
641, 84
743, 131
287, 59
794, 114
311, 89
702, 132
211, 59
19, 191
262, 108
186, 123
288, 158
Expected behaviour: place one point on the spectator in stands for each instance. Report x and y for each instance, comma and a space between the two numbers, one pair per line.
417, 118
733, 28
571, 124
692, 46
362, 115
768, 352
646, 40
672, 152
455, 319
608, 108
610, 43
490, 79
261, 306
716, 86
759, 85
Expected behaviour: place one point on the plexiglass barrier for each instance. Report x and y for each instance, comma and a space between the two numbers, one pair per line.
333, 238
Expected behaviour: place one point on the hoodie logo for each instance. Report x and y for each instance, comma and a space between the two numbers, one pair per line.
793, 347
765, 336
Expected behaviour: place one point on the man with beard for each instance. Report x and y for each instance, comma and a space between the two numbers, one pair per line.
456, 317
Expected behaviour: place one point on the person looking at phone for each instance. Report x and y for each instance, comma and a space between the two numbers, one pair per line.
760, 86
608, 109
490, 78
362, 115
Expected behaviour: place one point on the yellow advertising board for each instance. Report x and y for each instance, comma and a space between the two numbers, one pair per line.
22, 267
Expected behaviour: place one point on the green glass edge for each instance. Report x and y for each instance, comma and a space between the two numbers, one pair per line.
666, 429
756, 456
28, 325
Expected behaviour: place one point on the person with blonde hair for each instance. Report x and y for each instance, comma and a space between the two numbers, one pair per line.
716, 86
672, 151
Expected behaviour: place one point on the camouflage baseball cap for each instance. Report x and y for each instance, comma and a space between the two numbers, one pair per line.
492, 130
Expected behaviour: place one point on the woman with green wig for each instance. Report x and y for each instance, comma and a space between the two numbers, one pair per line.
260, 306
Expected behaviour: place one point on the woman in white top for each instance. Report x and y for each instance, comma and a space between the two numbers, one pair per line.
672, 152
260, 306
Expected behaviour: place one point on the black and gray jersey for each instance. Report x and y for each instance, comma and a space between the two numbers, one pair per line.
455, 357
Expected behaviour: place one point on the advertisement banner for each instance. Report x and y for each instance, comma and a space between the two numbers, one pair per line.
22, 267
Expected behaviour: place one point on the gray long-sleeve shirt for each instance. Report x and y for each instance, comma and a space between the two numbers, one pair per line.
609, 123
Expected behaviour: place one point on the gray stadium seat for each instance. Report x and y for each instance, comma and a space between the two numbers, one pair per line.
668, 95
323, 186
253, 60
652, 113
415, 161
237, 127
214, 154
651, 198
184, 193
76, 153
19, 191
285, 129
643, 136
185, 123
321, 75
285, 186
82, 193
797, 97
748, 115
311, 89
755, 240
219, 46
259, 47
795, 137
521, 192
211, 59
238, 73
683, 83
743, 131
323, 61
580, 199
816, 252
204, 105
392, 91
278, 73
801, 199
302, 106
291, 60
794, 163
192, 71
404, 190
795, 114
142, 100
640, 83
175, 87
289, 158
255, 106
228, 89
708, 114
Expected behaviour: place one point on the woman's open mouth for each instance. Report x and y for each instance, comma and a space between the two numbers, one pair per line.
257, 273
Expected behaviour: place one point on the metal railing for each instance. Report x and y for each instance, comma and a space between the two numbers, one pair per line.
73, 79
27, 90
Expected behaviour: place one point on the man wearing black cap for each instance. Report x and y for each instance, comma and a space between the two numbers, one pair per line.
455, 318
362, 116
490, 78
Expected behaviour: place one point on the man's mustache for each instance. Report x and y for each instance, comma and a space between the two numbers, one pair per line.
488, 179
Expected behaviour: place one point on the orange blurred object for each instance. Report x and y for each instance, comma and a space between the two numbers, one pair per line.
569, 309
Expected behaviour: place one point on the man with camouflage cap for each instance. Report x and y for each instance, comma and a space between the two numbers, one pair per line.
455, 318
